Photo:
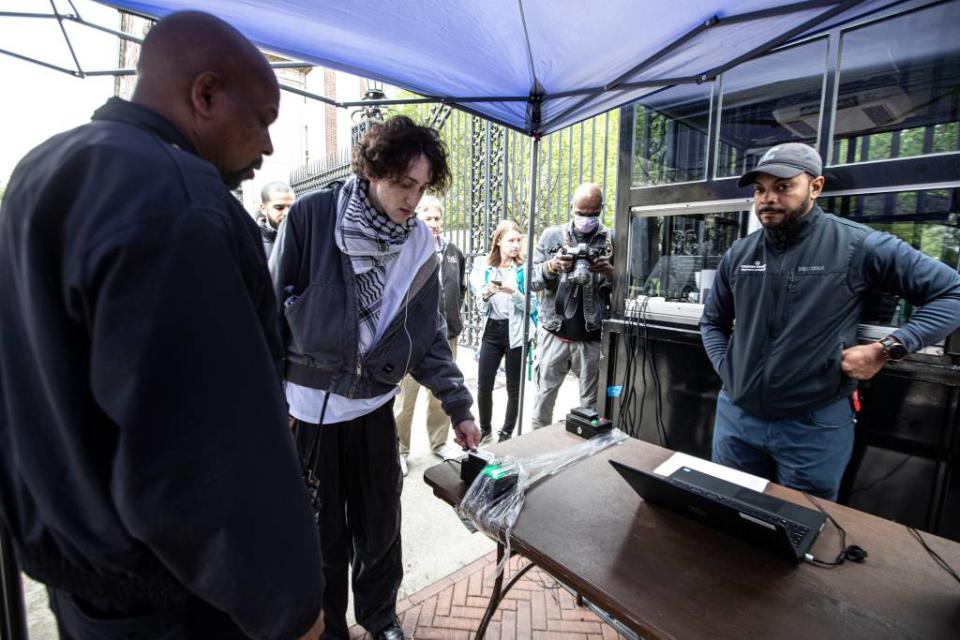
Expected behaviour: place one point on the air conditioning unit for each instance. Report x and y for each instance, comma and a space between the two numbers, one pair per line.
861, 111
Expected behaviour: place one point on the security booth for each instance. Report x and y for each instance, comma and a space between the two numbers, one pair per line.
879, 98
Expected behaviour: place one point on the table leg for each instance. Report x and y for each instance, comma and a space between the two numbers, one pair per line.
499, 591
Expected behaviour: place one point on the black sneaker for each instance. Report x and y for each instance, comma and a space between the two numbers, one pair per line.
503, 435
486, 435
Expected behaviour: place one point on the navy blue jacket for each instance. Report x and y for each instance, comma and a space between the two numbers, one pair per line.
797, 308
144, 450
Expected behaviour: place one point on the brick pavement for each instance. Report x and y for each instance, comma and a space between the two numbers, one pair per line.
536, 608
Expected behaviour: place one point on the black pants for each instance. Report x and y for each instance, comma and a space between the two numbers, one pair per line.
85, 619
360, 481
494, 347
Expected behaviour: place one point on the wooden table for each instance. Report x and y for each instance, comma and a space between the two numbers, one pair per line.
665, 576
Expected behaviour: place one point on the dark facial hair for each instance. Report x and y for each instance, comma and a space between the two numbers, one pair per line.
233, 179
783, 232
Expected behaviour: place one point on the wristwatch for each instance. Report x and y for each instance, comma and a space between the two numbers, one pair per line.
892, 349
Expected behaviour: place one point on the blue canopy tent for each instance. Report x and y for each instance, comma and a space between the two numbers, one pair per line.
535, 66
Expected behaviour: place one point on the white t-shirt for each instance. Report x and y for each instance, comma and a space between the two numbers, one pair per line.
502, 303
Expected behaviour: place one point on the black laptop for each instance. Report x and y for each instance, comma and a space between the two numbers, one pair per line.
785, 528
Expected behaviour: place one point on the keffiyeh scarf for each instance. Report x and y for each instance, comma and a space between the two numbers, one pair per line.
372, 241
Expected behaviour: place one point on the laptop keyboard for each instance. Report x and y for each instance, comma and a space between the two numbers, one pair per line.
795, 531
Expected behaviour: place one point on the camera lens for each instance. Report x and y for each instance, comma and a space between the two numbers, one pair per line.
581, 272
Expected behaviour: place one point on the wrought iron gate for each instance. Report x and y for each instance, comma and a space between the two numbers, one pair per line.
491, 174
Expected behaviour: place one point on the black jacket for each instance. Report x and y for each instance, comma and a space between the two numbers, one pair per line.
316, 283
797, 308
144, 450
453, 288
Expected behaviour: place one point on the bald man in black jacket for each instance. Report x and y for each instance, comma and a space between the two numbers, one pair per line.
147, 474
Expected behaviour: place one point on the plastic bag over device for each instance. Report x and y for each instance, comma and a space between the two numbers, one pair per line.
495, 498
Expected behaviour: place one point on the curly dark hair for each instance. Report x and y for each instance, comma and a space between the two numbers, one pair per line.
386, 149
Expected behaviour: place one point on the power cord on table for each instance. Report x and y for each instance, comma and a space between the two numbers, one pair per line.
853, 553
933, 554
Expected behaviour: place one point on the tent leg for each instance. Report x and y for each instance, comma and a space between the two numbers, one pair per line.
531, 228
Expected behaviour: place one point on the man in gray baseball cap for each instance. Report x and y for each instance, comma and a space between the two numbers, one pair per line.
796, 290
785, 161
794, 165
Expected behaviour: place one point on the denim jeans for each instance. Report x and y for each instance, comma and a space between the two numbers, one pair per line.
808, 453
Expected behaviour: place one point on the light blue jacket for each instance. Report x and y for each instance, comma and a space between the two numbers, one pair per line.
480, 277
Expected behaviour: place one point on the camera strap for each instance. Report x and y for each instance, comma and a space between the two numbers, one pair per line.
567, 302
568, 295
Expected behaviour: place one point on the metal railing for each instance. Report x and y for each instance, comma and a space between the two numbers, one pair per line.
491, 173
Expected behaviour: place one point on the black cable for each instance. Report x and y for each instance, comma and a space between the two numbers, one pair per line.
933, 554
643, 367
637, 392
628, 395
315, 449
657, 419
625, 390
882, 478
637, 398
642, 354
628, 403
634, 399
313, 455
852, 553
658, 390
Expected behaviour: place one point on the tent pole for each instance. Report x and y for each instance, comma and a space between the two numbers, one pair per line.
531, 224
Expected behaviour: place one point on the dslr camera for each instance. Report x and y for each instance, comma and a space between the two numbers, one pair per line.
583, 257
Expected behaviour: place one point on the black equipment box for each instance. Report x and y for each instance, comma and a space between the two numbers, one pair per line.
486, 462
473, 464
587, 423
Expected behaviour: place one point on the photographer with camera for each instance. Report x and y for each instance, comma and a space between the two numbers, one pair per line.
572, 265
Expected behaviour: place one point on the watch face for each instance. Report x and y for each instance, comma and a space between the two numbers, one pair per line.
895, 350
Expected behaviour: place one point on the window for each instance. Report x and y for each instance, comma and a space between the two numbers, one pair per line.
899, 90
769, 101
675, 256
928, 220
670, 136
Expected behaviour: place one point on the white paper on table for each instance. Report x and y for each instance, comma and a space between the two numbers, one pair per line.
741, 478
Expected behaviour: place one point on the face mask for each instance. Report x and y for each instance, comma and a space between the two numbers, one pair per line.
585, 224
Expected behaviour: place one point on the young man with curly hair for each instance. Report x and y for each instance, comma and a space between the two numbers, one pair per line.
357, 276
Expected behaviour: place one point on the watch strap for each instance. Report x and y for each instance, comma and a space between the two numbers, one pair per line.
893, 349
